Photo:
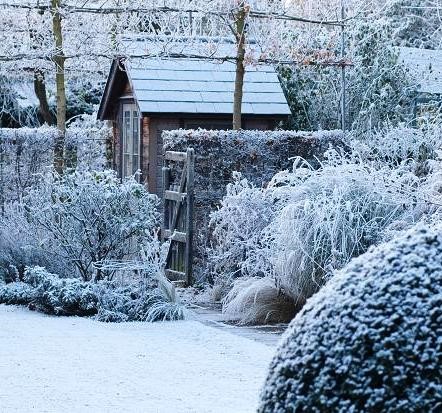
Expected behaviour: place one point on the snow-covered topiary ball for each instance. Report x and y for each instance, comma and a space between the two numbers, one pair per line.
371, 339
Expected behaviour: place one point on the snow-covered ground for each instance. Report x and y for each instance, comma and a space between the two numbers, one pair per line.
50, 364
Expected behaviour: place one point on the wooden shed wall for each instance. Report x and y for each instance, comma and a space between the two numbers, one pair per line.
151, 142
152, 149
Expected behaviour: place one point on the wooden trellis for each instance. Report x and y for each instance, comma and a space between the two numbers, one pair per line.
178, 198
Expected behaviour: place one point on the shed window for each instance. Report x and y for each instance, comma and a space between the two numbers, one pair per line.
131, 140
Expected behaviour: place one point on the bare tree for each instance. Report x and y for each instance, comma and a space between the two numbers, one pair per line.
59, 61
77, 39
240, 34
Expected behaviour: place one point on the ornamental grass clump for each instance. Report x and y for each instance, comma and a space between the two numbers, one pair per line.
304, 225
333, 214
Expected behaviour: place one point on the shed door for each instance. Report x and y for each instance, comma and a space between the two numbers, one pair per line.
131, 140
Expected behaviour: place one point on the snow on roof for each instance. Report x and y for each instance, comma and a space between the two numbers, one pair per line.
182, 85
426, 66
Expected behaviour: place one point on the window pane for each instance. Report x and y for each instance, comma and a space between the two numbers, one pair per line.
135, 165
126, 132
136, 137
127, 166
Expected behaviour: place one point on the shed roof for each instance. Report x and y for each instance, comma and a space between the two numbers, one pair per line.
183, 86
200, 86
426, 67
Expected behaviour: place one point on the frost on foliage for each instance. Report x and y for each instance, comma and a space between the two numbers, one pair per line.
310, 221
370, 340
257, 156
26, 153
87, 143
144, 295
17, 293
395, 145
89, 217
20, 245
248, 138
419, 28
258, 300
143, 299
332, 215
154, 298
379, 87
51, 294
244, 212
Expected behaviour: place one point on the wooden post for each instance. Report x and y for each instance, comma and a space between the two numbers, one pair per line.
189, 214
166, 183
343, 80
179, 257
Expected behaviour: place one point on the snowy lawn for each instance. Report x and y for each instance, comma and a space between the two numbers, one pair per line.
50, 364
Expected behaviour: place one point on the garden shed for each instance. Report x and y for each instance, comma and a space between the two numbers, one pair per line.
145, 96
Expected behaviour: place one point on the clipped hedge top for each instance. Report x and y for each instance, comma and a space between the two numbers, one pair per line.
263, 152
249, 137
258, 155
371, 339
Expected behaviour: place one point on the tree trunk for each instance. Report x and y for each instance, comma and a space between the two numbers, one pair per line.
39, 78
240, 26
40, 92
59, 60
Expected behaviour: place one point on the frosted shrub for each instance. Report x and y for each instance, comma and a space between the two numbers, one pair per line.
16, 293
149, 297
87, 143
307, 223
237, 225
122, 302
258, 300
90, 217
331, 215
54, 295
370, 340
22, 245
394, 145
59, 296
24, 153
109, 301
49, 293
165, 304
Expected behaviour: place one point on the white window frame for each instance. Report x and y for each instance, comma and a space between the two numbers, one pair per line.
130, 136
